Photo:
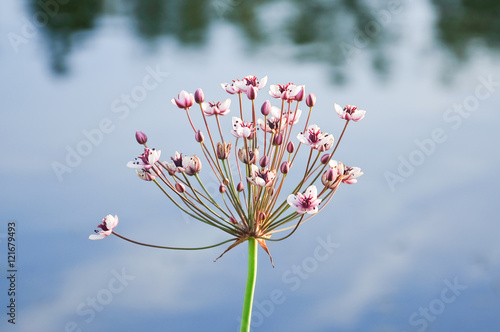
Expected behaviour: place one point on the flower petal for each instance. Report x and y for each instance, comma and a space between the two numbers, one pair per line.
98, 236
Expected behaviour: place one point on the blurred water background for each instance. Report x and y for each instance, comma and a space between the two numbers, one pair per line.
413, 246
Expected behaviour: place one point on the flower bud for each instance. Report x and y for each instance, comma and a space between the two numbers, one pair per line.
263, 161
266, 108
330, 175
290, 147
199, 136
325, 158
240, 187
233, 221
223, 150
252, 92
199, 96
330, 179
146, 175
184, 100
226, 181
191, 165
278, 139
285, 167
141, 137
300, 95
222, 188
311, 100
248, 157
180, 187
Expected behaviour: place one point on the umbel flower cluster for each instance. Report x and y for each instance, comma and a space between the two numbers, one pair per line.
250, 162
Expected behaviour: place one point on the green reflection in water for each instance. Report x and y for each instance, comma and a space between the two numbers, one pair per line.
63, 26
461, 23
333, 32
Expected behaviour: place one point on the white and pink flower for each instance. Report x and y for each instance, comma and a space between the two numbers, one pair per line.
242, 128
316, 139
350, 112
191, 165
184, 100
176, 165
248, 156
231, 88
251, 81
275, 122
146, 160
147, 174
108, 223
261, 178
307, 202
216, 108
286, 91
239, 86
330, 178
293, 117
351, 174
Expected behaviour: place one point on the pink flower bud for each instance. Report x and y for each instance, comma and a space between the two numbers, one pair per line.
240, 187
263, 161
252, 92
199, 96
226, 181
222, 188
278, 139
223, 150
330, 175
290, 147
311, 100
233, 221
185, 100
325, 158
331, 179
300, 95
141, 137
285, 167
266, 108
180, 187
199, 136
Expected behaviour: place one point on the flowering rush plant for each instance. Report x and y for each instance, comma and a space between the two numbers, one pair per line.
251, 162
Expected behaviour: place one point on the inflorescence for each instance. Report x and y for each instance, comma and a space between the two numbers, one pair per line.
250, 162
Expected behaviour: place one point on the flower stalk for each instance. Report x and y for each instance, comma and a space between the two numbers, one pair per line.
246, 316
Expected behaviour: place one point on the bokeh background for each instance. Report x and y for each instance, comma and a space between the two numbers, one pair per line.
413, 246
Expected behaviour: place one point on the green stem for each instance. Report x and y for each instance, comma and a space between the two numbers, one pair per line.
246, 316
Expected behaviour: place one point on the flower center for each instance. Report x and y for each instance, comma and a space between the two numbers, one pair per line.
314, 135
252, 81
103, 227
350, 109
177, 161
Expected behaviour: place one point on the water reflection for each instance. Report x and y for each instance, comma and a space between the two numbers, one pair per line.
461, 23
330, 31
63, 26
184, 20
